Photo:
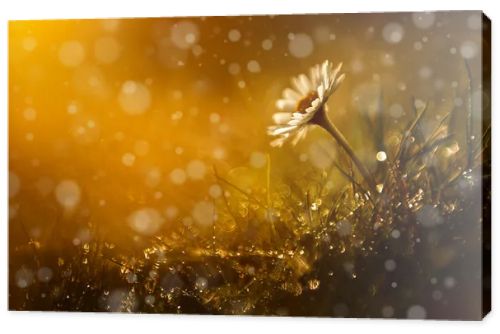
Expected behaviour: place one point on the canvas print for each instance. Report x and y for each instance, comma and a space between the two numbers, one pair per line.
329, 165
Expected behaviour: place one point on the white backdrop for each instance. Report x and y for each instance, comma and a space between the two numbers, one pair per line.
124, 323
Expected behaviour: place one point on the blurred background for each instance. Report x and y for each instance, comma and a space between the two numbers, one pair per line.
116, 126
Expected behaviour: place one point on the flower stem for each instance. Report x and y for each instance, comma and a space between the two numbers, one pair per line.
322, 120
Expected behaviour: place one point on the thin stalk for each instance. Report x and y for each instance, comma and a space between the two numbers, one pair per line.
322, 120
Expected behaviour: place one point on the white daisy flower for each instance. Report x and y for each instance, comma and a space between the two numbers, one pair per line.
302, 105
306, 105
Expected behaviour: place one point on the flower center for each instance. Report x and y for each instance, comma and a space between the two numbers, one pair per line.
305, 102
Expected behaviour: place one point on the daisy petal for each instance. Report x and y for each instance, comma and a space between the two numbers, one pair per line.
335, 72
325, 75
300, 85
337, 83
306, 83
315, 103
314, 76
282, 117
286, 104
310, 110
283, 129
300, 135
291, 94
278, 142
321, 91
